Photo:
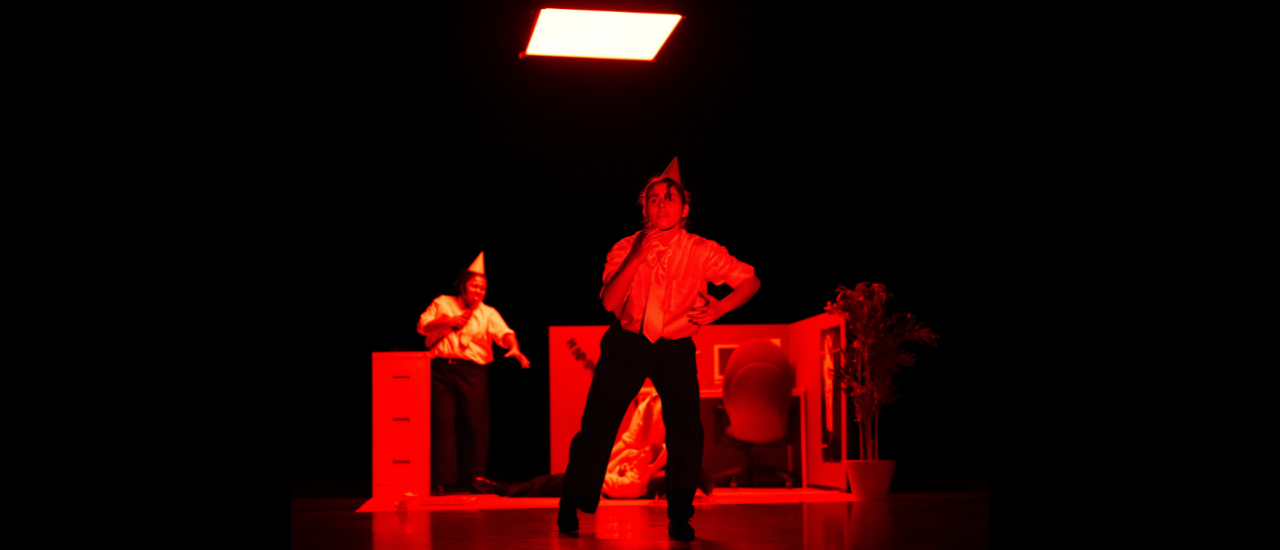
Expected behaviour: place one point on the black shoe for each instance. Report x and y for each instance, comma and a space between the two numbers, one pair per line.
680, 530
487, 487
568, 519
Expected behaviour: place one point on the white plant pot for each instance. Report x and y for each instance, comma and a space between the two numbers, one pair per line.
869, 479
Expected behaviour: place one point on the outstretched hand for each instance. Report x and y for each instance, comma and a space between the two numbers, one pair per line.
707, 313
524, 361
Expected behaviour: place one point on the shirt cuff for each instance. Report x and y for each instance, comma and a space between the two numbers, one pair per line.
740, 274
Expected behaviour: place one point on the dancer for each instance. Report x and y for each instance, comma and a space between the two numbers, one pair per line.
654, 283
460, 331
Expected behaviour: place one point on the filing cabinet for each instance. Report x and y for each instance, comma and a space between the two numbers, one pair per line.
401, 424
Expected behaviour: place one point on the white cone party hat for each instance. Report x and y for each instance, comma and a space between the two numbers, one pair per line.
673, 170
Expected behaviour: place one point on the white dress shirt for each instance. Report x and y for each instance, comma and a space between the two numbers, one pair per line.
674, 275
474, 341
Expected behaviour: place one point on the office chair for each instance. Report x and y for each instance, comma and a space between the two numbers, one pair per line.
757, 398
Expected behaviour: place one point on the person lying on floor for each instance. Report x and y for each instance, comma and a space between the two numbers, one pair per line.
635, 464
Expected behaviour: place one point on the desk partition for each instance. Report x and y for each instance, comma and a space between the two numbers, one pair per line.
402, 404
574, 350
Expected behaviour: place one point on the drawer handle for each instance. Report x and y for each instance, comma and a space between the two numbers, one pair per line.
399, 461
399, 419
401, 376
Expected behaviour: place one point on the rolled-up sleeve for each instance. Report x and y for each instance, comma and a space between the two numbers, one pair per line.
613, 261
432, 312
720, 267
498, 328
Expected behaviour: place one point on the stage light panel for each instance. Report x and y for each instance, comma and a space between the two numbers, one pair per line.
600, 34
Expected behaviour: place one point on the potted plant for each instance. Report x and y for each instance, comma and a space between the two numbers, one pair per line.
872, 356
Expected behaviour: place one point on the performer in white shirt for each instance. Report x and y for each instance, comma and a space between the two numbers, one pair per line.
655, 284
460, 333
638, 453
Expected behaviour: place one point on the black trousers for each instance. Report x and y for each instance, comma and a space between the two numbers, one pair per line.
459, 421
626, 359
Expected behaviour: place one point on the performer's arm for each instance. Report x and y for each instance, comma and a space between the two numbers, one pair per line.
715, 309
615, 291
509, 341
453, 323
657, 462
618, 447
617, 461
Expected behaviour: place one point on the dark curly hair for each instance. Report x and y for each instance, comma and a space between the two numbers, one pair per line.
672, 186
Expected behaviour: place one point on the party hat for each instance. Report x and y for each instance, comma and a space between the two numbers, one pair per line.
673, 170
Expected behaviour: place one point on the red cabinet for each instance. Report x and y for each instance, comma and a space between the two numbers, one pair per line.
401, 424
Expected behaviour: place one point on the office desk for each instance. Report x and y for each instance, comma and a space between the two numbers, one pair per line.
717, 458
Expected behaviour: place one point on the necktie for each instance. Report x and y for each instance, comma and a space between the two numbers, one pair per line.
653, 321
464, 333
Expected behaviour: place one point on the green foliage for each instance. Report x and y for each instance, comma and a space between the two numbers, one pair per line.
873, 351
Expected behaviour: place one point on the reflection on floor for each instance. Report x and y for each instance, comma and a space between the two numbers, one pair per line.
491, 502
907, 520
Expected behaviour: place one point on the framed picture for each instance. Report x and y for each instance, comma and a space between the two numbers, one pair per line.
722, 354
832, 397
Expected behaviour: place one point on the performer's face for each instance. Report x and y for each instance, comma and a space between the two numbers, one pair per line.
473, 292
663, 210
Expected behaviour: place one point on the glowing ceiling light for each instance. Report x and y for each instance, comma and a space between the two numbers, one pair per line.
600, 34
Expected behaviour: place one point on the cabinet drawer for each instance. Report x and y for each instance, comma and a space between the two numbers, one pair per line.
395, 464
400, 398
407, 379
412, 424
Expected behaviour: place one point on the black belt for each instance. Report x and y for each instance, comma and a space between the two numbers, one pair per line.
453, 361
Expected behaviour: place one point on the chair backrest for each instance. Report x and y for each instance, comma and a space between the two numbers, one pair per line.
757, 391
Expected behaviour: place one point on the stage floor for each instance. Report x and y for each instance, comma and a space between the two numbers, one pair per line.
751, 519
720, 496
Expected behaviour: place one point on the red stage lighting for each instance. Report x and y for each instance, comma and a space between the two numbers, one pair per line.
600, 34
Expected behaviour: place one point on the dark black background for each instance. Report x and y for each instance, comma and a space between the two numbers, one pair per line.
823, 147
